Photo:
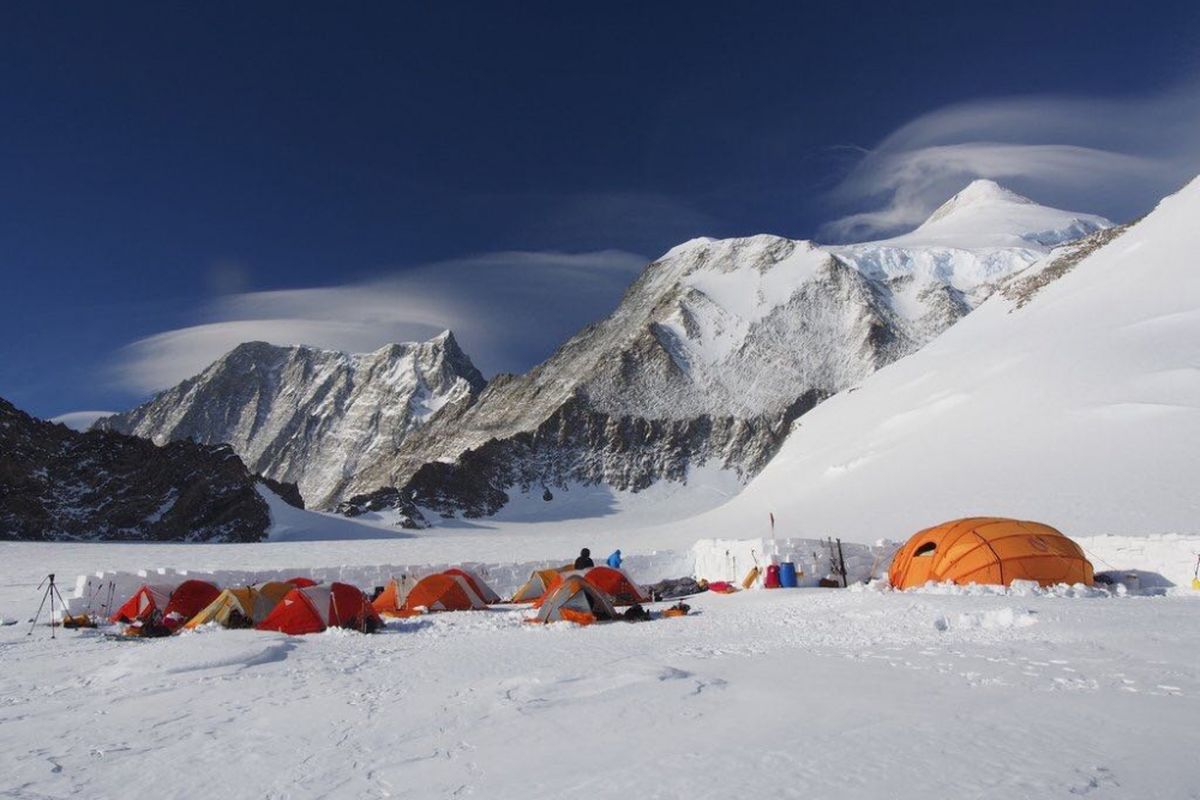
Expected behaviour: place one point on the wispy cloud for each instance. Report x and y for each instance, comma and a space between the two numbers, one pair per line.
1111, 156
80, 420
508, 310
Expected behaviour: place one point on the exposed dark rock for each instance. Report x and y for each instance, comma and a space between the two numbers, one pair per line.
57, 484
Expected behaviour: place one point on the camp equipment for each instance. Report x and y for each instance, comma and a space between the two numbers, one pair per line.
842, 565
575, 600
989, 550
52, 594
772, 579
312, 609
677, 610
1196, 575
787, 575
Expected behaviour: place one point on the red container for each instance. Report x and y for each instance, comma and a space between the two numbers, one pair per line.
772, 579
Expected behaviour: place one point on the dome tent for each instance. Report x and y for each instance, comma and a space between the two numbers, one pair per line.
615, 583
168, 606
989, 550
313, 609
538, 584
575, 600
485, 592
242, 606
439, 592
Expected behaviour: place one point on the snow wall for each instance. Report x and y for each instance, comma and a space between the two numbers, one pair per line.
1161, 560
92, 591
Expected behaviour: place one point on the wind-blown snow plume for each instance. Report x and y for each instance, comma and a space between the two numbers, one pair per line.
1114, 155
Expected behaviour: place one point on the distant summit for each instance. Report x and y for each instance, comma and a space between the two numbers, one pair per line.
986, 214
306, 415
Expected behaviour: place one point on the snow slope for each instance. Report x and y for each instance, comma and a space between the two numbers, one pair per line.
1071, 397
798, 694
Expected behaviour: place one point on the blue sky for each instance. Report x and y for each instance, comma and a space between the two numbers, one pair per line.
176, 177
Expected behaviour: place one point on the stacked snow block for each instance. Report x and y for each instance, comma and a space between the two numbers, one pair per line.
730, 559
92, 592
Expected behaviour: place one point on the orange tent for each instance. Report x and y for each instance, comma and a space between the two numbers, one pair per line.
485, 592
575, 600
143, 604
619, 587
990, 550
440, 592
537, 585
312, 609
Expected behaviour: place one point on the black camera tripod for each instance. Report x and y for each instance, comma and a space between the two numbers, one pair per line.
50, 594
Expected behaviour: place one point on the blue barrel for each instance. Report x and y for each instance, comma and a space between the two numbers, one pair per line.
787, 575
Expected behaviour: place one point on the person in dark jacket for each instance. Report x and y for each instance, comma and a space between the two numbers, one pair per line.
585, 559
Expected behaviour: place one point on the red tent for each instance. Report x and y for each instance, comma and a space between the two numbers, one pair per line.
312, 609
301, 583
173, 606
188, 600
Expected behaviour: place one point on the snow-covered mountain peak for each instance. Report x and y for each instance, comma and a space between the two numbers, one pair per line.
986, 214
977, 192
307, 415
1072, 396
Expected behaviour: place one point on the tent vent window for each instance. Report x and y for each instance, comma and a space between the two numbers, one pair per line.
925, 549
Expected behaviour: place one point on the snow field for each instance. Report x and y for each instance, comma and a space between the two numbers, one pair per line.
805, 693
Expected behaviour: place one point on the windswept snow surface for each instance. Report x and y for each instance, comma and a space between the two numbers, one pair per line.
803, 693
1076, 403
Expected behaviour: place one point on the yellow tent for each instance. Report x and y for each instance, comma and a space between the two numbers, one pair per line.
537, 585
990, 550
242, 607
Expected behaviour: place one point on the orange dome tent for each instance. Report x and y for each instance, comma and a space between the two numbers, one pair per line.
440, 592
575, 600
619, 587
143, 603
990, 550
617, 584
312, 609
485, 592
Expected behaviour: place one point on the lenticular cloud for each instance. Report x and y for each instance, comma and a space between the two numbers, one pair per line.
1113, 155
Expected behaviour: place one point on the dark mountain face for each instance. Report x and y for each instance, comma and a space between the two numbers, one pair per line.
60, 485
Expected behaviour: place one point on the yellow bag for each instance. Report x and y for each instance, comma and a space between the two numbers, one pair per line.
751, 577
